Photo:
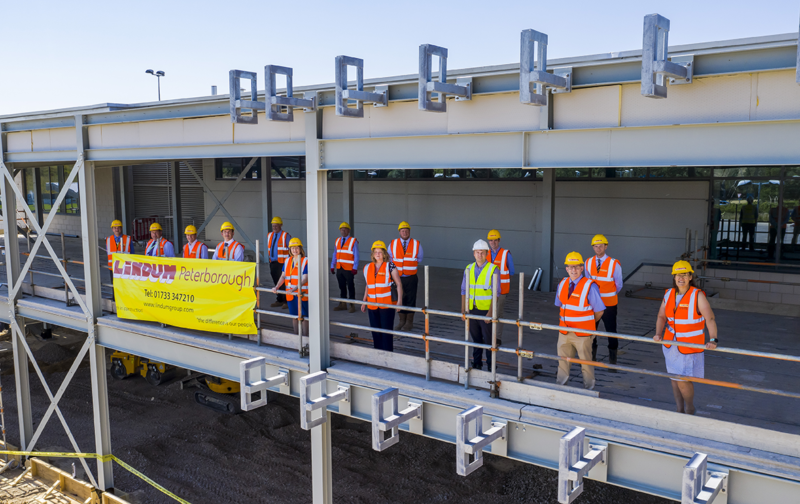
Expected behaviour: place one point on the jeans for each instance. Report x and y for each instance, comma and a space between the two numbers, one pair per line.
382, 318
480, 332
347, 284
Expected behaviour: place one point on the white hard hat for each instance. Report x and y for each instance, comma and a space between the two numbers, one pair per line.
480, 245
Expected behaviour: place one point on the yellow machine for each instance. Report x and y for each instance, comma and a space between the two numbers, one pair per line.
218, 394
124, 365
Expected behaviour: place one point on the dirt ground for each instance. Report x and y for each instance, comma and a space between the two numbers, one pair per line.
260, 456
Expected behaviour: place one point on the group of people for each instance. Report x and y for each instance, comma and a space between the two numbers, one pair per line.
158, 246
778, 219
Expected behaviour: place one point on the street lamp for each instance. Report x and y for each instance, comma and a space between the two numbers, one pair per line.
159, 74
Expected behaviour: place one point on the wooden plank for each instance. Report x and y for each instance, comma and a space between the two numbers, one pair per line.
70, 487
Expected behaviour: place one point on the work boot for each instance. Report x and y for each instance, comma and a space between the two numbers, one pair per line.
409, 325
276, 304
612, 359
340, 307
401, 321
351, 308
284, 306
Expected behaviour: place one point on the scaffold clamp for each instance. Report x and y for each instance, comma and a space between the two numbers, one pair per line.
276, 103
656, 66
533, 76
238, 105
472, 447
381, 424
573, 465
462, 89
380, 98
701, 485
257, 385
309, 406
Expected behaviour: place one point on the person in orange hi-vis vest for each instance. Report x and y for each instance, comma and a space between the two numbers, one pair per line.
683, 317
406, 253
229, 249
193, 249
501, 258
607, 273
158, 246
380, 275
581, 307
345, 266
118, 243
277, 253
295, 276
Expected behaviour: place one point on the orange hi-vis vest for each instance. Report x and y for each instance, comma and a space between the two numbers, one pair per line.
283, 249
123, 248
406, 261
379, 285
159, 249
501, 261
684, 322
345, 257
195, 251
293, 276
228, 252
604, 278
576, 312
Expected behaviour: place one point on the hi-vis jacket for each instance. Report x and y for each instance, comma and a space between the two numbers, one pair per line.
684, 321
576, 312
604, 278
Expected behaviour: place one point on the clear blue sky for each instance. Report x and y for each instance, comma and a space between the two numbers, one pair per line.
70, 53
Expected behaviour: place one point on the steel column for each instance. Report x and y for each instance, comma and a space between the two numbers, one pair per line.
123, 209
319, 329
175, 202
266, 203
548, 213
91, 273
348, 211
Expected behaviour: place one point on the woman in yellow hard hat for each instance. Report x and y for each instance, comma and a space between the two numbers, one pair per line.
295, 272
344, 265
158, 246
277, 253
381, 275
683, 317
229, 249
193, 249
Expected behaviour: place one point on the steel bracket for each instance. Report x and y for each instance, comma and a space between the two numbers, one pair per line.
381, 424
309, 406
238, 106
276, 103
259, 384
462, 89
466, 446
533, 76
686, 61
656, 66
573, 465
701, 485
378, 98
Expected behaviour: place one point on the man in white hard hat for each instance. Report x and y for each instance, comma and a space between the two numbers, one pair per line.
477, 286
229, 249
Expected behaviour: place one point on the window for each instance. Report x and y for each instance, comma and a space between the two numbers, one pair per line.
29, 184
72, 200
49, 186
289, 167
231, 168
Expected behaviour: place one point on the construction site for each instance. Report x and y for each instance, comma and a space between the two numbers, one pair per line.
675, 156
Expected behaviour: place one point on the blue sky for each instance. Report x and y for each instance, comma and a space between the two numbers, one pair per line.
61, 54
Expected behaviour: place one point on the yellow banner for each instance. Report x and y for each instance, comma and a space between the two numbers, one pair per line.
216, 296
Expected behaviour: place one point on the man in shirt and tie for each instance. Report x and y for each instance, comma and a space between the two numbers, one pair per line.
345, 266
229, 249
581, 307
607, 274
406, 253
158, 246
278, 252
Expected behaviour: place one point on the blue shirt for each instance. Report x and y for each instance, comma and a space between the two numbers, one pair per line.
617, 272
478, 270
169, 250
273, 250
355, 253
405, 247
593, 298
509, 260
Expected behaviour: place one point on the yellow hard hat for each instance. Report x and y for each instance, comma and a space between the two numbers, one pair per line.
295, 242
493, 235
155, 227
190, 230
277, 220
344, 225
598, 239
682, 267
378, 244
403, 225
573, 258
226, 225
116, 223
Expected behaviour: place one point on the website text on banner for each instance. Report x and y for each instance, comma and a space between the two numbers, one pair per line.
216, 296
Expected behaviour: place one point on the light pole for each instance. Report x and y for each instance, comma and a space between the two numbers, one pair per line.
158, 74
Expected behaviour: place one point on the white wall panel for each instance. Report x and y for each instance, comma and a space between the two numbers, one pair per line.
19, 142
40, 140
62, 139
573, 148
207, 130
114, 136
264, 131
334, 126
499, 112
778, 96
158, 133
405, 118
587, 108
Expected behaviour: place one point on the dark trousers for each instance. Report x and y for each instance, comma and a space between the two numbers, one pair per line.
610, 322
749, 229
382, 318
276, 270
773, 236
410, 284
347, 284
480, 332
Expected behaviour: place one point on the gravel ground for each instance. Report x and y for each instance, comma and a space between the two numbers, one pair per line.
263, 455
